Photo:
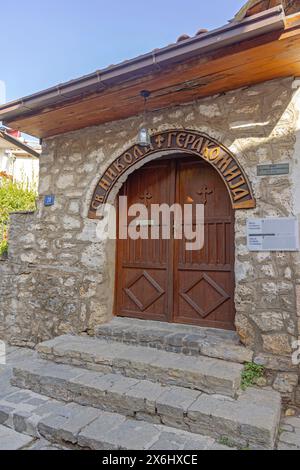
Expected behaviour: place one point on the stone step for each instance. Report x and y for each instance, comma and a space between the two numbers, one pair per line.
35, 422
252, 420
12, 440
184, 339
200, 373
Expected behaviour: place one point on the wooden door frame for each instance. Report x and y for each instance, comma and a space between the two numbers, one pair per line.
171, 279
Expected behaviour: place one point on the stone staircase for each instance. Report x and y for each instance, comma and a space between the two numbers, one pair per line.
146, 385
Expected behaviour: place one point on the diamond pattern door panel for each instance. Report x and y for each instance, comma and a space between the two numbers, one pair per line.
204, 296
144, 291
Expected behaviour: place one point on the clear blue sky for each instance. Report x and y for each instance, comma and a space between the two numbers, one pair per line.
52, 41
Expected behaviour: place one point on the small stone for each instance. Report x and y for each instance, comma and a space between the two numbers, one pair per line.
293, 421
45, 184
74, 207
261, 382
245, 330
286, 427
92, 256
286, 382
290, 438
277, 344
71, 223
65, 181
227, 352
290, 412
209, 110
273, 362
269, 321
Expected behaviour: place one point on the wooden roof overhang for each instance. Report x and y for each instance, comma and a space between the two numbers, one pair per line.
259, 48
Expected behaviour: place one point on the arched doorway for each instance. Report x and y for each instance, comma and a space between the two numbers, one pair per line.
160, 279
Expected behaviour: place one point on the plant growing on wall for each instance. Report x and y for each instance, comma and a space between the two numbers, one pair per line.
14, 197
251, 373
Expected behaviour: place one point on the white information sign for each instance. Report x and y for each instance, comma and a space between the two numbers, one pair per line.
281, 234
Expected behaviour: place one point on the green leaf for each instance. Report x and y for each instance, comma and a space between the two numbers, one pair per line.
14, 197
251, 373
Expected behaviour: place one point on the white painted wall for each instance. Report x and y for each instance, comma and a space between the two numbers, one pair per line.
26, 169
21, 166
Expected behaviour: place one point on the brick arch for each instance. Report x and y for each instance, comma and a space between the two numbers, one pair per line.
188, 142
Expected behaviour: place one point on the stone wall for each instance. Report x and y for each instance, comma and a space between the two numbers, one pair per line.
59, 276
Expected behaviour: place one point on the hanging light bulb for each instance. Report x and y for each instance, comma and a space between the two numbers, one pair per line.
144, 138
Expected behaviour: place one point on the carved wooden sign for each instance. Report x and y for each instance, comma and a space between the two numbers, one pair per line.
190, 142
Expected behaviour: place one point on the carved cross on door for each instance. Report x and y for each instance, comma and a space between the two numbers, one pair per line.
146, 197
204, 192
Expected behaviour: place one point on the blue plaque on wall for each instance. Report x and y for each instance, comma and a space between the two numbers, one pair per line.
49, 200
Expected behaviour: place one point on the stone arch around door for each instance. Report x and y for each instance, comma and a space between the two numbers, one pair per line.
169, 142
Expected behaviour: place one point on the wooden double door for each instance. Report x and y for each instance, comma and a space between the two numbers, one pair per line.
159, 279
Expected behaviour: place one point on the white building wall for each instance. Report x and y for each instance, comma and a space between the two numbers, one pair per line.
26, 170
22, 168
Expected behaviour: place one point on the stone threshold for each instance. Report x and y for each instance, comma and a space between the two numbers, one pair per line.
177, 338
